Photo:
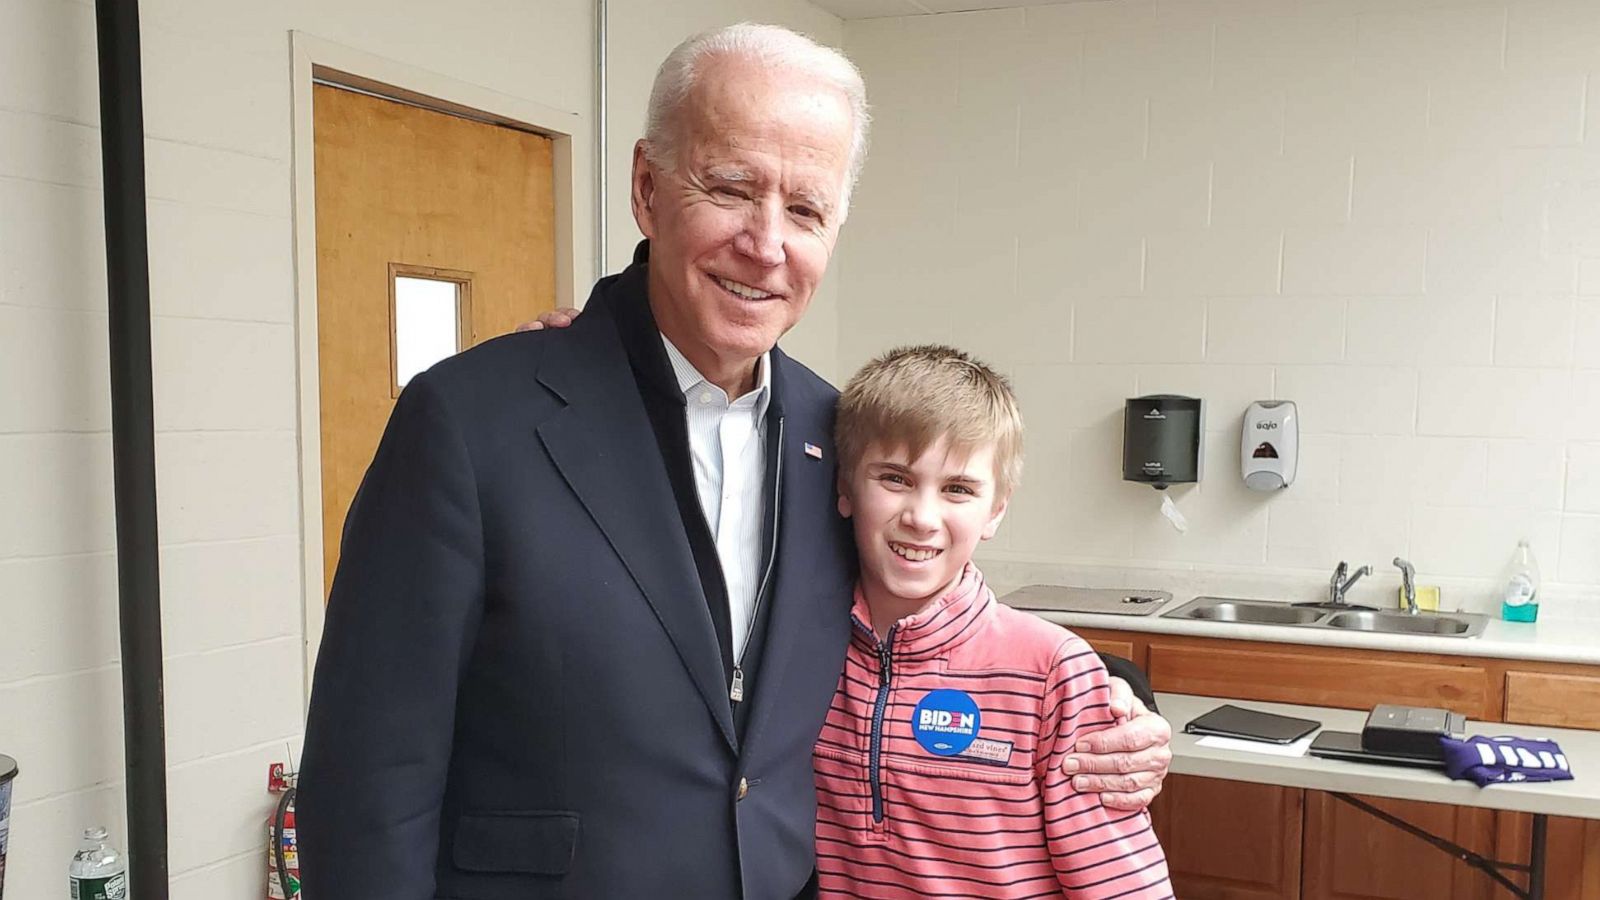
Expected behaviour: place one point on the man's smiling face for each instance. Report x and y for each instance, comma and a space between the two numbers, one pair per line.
742, 228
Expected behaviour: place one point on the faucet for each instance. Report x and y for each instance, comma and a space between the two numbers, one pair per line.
1408, 584
1339, 585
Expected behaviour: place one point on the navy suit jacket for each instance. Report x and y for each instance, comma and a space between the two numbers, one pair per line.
519, 692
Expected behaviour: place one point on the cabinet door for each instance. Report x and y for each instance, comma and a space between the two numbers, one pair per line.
1116, 643
1351, 679
1552, 698
1350, 855
1227, 840
1572, 854
1123, 649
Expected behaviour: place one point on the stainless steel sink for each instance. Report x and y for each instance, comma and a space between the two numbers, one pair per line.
1241, 611
1267, 612
1447, 624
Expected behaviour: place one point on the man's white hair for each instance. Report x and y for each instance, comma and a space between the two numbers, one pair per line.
769, 45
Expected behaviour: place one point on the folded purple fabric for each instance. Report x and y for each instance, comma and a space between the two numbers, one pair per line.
1494, 760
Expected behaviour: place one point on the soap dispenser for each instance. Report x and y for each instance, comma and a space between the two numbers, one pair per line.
1520, 601
1269, 450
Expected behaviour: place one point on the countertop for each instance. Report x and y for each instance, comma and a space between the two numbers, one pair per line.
1549, 640
1578, 797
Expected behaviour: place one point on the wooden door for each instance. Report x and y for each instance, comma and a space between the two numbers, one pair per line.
409, 193
1228, 840
1352, 856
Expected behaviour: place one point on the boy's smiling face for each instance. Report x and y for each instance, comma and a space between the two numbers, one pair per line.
917, 522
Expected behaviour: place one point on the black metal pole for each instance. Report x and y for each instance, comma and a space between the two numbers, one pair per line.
133, 444
1536, 854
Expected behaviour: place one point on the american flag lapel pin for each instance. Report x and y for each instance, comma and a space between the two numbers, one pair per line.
812, 450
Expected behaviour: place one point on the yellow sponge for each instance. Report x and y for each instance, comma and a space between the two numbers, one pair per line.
1427, 597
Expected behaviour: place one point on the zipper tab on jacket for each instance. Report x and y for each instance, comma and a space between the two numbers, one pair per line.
885, 675
736, 690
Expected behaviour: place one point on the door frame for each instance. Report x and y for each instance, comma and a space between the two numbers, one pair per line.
317, 60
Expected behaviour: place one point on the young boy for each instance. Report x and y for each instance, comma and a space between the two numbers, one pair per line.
939, 767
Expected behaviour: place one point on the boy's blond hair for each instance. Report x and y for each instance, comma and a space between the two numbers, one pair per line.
911, 397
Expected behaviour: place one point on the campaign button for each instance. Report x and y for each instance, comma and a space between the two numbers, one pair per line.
945, 722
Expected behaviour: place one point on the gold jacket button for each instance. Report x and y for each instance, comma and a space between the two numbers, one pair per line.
744, 788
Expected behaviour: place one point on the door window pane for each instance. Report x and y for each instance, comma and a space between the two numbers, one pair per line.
427, 324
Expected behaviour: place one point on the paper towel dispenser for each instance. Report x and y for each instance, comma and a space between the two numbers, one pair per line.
1163, 440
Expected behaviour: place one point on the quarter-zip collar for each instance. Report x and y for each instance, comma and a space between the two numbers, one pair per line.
937, 628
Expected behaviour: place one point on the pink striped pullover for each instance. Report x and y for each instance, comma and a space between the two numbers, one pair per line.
908, 808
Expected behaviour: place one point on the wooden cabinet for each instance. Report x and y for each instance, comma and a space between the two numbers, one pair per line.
1572, 854
1228, 840
1349, 855
1549, 698
1350, 680
1116, 643
1123, 649
1234, 841
1565, 700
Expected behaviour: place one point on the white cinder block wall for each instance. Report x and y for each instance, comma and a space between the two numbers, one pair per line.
1386, 210
217, 103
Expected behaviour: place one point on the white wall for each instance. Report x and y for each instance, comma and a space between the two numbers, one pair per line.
641, 36
1386, 210
217, 102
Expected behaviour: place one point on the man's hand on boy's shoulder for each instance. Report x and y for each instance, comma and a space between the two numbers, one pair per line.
555, 318
1127, 762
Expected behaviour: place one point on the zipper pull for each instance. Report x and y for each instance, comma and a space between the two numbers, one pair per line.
736, 693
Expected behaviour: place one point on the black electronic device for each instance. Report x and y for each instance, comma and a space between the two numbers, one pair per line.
1346, 745
1251, 725
1412, 731
1163, 439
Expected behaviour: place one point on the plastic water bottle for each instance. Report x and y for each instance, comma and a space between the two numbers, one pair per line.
1520, 603
98, 871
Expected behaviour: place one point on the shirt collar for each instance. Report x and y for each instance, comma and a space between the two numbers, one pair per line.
690, 379
937, 628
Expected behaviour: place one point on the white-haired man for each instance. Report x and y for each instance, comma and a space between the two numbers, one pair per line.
593, 594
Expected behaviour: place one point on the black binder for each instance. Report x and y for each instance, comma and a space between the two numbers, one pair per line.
1251, 725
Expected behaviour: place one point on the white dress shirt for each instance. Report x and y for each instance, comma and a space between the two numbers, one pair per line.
727, 441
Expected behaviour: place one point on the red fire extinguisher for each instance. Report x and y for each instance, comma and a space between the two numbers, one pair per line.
283, 853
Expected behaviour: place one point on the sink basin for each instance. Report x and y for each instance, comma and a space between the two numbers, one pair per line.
1322, 615
1217, 609
1451, 625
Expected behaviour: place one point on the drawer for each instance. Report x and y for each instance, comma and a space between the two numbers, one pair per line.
1546, 698
1348, 679
1114, 643
1123, 649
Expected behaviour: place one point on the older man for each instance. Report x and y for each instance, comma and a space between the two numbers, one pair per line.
592, 601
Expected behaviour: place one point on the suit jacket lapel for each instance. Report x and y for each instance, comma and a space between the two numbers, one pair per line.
798, 631
604, 447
